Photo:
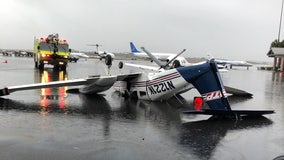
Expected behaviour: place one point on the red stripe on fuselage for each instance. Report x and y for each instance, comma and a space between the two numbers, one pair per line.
163, 78
156, 80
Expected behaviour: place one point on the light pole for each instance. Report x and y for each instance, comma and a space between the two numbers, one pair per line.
280, 22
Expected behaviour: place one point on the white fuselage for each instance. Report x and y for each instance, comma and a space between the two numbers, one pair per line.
103, 54
164, 57
155, 86
234, 63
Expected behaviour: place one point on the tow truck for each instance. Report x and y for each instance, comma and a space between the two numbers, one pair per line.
51, 50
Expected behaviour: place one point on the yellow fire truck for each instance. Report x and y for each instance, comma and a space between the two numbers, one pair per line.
51, 50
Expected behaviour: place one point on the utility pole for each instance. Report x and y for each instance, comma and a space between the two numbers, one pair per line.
280, 22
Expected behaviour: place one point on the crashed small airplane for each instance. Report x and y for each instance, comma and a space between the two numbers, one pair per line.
158, 86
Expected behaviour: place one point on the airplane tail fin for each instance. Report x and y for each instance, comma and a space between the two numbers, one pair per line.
133, 48
206, 79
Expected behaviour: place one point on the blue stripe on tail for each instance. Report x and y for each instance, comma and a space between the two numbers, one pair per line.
133, 48
206, 79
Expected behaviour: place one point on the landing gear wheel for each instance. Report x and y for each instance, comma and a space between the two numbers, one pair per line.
176, 64
108, 60
120, 65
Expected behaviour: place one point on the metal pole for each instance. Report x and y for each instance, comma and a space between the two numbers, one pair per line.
280, 21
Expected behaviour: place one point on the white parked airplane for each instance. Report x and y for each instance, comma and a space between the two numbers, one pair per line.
79, 54
108, 56
230, 64
105, 54
178, 61
75, 56
158, 86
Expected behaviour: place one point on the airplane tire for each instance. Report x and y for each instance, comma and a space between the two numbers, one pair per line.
176, 64
120, 65
108, 60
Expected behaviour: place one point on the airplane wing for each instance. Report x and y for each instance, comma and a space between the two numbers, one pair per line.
99, 84
90, 85
75, 82
104, 83
234, 63
127, 77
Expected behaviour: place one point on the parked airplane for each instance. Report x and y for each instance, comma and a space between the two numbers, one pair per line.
178, 61
158, 86
75, 56
230, 64
108, 56
79, 54
105, 55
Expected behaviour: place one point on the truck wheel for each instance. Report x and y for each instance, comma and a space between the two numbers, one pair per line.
56, 67
36, 65
41, 66
63, 68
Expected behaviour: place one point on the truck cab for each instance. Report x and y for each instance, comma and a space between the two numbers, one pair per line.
51, 51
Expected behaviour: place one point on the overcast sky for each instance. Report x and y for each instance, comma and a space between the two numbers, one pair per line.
229, 29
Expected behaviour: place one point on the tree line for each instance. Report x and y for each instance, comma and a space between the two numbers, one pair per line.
277, 43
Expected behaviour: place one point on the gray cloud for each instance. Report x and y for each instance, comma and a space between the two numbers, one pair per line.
231, 29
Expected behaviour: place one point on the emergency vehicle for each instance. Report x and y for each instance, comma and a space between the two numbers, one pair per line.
51, 50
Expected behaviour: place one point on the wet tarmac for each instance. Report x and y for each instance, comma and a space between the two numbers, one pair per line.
53, 124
